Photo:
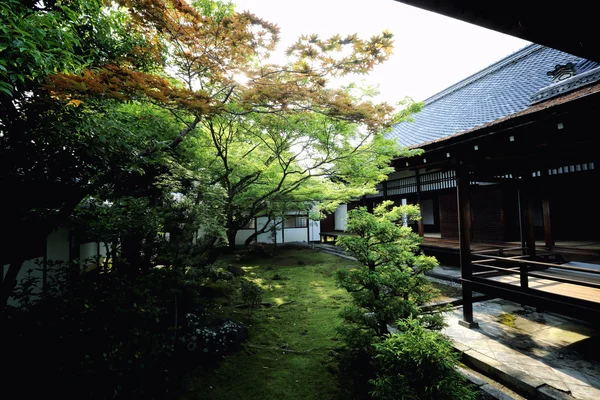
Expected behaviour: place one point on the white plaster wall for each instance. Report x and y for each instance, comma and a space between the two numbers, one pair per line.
242, 235
58, 245
295, 235
315, 230
36, 272
340, 216
266, 237
57, 248
87, 250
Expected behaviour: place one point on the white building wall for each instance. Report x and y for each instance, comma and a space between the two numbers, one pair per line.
314, 231
290, 235
57, 248
242, 235
58, 245
33, 266
295, 235
340, 216
266, 237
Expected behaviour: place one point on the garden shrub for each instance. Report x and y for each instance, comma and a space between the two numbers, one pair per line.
418, 364
100, 337
389, 286
251, 294
209, 340
105, 336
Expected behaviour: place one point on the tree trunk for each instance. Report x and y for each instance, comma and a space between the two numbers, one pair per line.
131, 251
231, 234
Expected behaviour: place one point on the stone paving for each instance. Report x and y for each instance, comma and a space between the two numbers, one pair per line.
560, 352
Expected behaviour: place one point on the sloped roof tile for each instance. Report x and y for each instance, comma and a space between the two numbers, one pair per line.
505, 87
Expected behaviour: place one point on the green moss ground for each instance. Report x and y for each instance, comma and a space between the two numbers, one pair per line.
288, 353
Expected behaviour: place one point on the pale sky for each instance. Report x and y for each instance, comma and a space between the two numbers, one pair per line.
431, 52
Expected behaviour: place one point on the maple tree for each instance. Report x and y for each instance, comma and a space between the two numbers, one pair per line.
203, 64
269, 163
203, 47
53, 154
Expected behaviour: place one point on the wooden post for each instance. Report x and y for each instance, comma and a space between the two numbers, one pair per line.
530, 226
420, 224
521, 204
45, 268
526, 223
464, 237
547, 223
308, 229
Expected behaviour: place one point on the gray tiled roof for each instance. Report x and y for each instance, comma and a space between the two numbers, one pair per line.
503, 88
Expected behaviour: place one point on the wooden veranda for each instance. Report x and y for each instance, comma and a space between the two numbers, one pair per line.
543, 161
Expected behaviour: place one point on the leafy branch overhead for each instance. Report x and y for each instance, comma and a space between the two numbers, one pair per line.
176, 106
199, 51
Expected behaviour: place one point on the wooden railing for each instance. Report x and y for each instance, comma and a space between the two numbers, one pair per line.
526, 267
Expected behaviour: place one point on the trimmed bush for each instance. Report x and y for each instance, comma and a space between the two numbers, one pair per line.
418, 364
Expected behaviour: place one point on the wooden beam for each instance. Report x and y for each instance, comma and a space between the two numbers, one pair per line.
547, 223
464, 238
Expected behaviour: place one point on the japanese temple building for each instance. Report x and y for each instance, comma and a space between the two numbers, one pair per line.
509, 180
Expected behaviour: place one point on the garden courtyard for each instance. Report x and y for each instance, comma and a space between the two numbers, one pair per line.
289, 350
293, 338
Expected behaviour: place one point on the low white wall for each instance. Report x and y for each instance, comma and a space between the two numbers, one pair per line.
315, 230
90, 250
242, 235
340, 216
290, 235
57, 248
58, 245
267, 237
295, 235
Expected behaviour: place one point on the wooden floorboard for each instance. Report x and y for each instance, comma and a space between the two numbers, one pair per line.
452, 244
567, 247
546, 285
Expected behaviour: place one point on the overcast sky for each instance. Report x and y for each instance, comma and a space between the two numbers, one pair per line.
431, 51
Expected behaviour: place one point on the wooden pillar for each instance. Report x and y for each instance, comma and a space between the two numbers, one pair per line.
547, 223
307, 229
464, 237
420, 225
283, 230
522, 233
526, 210
45, 267
530, 226
526, 225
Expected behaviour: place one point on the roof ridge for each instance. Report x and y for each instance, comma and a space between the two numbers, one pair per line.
525, 51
